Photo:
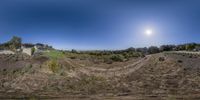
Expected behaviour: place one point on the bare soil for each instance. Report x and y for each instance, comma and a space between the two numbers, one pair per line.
176, 76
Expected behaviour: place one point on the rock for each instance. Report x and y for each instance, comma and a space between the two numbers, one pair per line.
161, 59
179, 61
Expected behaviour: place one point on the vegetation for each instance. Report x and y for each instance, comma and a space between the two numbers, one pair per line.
85, 72
117, 58
153, 49
107, 56
190, 46
54, 66
13, 44
54, 54
167, 47
103, 56
32, 50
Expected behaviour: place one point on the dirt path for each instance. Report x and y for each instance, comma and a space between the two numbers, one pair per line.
187, 52
115, 71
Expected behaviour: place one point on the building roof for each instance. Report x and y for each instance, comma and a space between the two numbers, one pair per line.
28, 45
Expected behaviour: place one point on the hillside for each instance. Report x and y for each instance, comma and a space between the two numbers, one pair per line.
158, 76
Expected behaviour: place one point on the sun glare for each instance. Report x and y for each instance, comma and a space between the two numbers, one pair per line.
148, 32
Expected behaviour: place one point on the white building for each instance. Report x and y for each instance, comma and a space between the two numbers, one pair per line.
38, 48
27, 49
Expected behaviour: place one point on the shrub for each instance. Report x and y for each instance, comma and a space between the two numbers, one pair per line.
131, 54
54, 66
32, 50
190, 56
161, 59
190, 46
117, 58
74, 51
108, 61
167, 47
179, 61
153, 49
73, 57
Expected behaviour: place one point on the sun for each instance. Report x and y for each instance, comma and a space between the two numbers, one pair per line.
148, 32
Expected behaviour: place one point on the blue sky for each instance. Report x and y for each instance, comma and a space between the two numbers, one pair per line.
100, 24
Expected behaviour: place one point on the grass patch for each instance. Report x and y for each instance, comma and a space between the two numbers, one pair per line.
54, 54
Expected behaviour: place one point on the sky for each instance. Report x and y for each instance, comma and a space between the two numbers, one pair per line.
100, 24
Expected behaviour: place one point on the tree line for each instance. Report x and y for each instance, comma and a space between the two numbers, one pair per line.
146, 50
16, 42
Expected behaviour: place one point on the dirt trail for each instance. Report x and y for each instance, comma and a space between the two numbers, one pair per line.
115, 71
187, 52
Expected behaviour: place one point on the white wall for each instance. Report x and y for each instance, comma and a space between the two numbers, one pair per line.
6, 52
27, 51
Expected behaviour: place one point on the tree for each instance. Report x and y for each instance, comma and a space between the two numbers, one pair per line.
74, 51
15, 43
131, 49
167, 47
197, 47
190, 46
153, 49
180, 47
142, 50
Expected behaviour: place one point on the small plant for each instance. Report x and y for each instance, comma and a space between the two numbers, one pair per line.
190, 56
179, 61
32, 50
108, 61
73, 57
54, 66
161, 59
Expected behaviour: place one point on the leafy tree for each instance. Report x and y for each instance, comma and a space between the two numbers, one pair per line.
197, 47
167, 47
190, 46
180, 47
142, 50
15, 43
131, 49
153, 49
74, 51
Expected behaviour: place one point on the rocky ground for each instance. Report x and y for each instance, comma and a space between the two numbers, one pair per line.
167, 76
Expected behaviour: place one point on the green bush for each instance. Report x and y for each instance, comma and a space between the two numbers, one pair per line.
117, 58
131, 54
32, 50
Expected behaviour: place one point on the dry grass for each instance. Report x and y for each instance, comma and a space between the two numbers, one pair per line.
149, 77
